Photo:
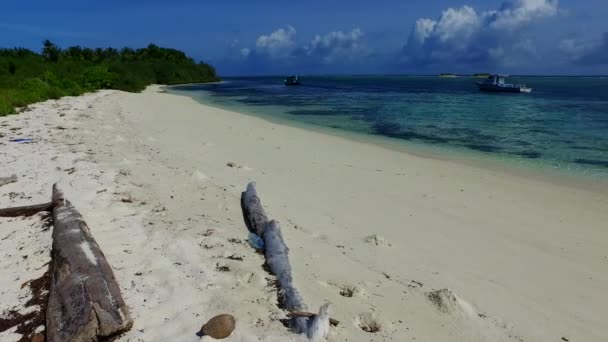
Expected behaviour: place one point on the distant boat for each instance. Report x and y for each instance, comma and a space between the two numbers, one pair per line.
292, 80
496, 83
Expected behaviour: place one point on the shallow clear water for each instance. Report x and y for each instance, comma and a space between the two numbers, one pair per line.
562, 124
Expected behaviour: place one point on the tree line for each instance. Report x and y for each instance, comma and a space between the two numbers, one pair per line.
27, 77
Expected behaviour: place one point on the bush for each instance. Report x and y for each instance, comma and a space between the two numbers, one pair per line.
98, 77
5, 107
27, 77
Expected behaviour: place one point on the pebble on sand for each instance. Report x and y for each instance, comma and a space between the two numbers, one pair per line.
218, 327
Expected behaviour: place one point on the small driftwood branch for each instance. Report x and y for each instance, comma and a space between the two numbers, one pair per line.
275, 251
85, 303
27, 210
8, 180
332, 321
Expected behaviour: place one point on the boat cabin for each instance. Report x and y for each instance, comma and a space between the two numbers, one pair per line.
496, 79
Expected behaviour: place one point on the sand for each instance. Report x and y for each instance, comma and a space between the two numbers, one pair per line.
377, 232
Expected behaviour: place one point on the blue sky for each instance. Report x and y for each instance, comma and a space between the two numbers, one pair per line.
333, 36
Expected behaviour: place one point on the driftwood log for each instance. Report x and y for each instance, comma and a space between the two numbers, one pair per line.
27, 210
276, 254
85, 303
332, 321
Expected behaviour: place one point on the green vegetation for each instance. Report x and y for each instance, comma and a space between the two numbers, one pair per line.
27, 77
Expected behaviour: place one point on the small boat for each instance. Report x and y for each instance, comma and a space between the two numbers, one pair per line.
497, 83
292, 80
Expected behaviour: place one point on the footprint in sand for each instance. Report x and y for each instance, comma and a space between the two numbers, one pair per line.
446, 301
369, 323
347, 290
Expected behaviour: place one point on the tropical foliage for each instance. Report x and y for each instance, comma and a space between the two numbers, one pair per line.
27, 77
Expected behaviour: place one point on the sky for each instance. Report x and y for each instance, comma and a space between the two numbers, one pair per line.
541, 37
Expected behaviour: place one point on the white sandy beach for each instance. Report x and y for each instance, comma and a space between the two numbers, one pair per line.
370, 229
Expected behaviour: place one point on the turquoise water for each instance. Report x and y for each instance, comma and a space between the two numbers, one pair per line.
563, 124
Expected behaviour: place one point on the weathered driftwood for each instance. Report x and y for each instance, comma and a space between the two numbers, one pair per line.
27, 210
275, 249
332, 321
8, 180
85, 303
276, 253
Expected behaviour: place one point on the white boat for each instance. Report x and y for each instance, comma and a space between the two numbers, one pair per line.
496, 83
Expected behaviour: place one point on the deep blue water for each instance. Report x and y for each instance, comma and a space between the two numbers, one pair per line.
563, 123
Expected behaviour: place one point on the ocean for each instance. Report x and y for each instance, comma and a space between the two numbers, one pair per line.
561, 125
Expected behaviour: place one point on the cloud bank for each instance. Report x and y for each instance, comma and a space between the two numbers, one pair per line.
510, 38
590, 53
281, 50
464, 36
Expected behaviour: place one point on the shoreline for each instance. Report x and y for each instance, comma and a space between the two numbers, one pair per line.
591, 180
376, 232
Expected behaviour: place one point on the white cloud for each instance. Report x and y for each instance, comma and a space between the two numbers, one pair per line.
464, 35
281, 48
514, 13
456, 23
423, 29
278, 44
337, 46
245, 52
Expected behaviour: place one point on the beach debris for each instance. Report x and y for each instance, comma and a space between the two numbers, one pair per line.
8, 180
222, 268
12, 195
231, 164
318, 325
276, 254
334, 322
234, 240
235, 257
377, 240
85, 303
414, 284
22, 140
27, 210
218, 327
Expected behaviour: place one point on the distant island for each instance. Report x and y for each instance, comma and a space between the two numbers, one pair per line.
448, 75
27, 77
